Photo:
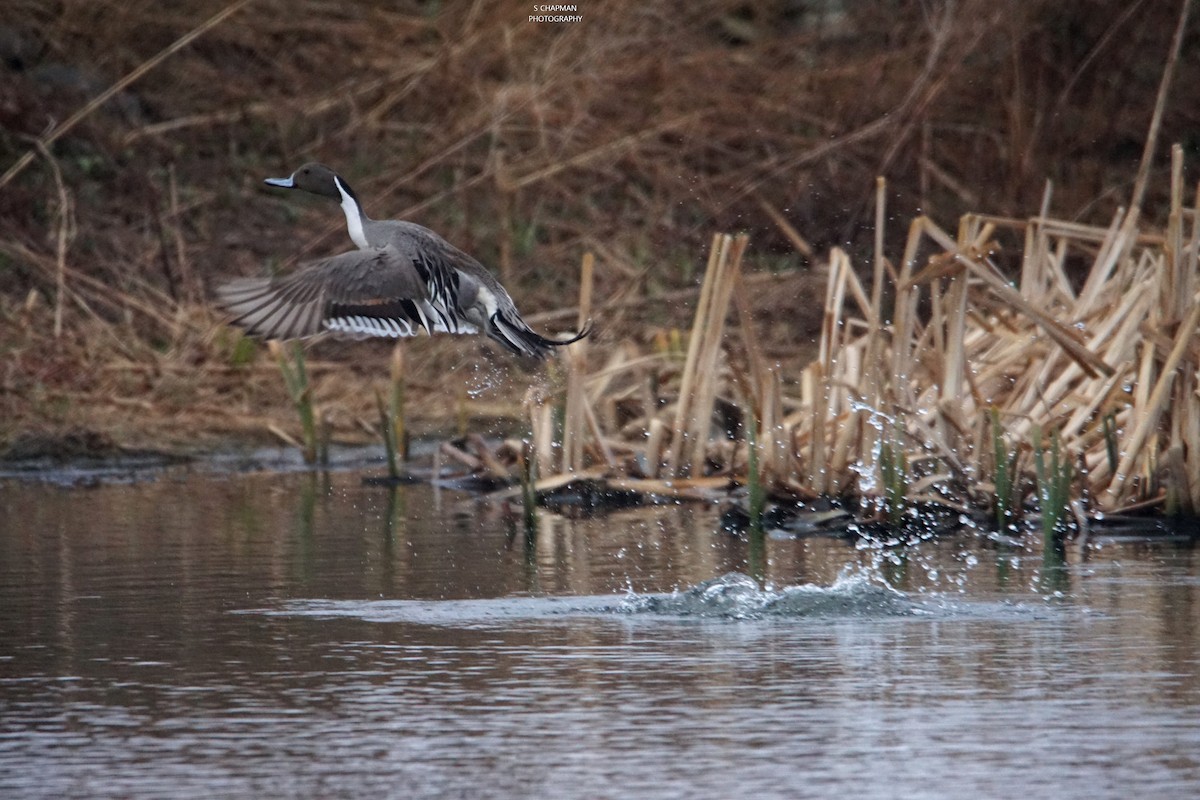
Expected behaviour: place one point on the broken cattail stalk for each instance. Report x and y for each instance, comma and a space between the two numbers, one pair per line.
575, 355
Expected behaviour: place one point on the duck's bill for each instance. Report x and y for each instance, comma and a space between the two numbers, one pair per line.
286, 183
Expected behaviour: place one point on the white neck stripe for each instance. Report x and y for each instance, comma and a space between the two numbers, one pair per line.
354, 219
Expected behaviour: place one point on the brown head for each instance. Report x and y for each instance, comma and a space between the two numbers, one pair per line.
315, 178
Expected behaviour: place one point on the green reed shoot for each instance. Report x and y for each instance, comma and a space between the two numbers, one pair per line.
387, 429
1110, 440
756, 556
392, 417
295, 378
527, 470
893, 469
1003, 480
1054, 483
756, 493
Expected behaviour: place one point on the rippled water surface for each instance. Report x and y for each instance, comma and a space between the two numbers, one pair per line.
301, 636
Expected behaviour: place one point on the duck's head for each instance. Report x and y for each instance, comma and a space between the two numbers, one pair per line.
315, 178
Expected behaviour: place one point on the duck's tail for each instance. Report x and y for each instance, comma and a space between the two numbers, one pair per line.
513, 333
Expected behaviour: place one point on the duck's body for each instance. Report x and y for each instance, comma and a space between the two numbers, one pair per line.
403, 277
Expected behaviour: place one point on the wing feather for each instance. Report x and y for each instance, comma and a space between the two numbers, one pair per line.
375, 292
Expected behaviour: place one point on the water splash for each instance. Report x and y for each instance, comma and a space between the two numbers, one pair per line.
483, 379
876, 417
856, 595
738, 596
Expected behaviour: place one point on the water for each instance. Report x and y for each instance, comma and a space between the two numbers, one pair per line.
294, 636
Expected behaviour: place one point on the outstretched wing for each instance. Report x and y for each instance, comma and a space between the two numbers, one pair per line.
374, 292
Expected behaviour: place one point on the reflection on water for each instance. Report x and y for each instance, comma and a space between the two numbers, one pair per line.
305, 636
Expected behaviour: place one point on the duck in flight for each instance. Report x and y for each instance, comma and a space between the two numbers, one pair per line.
403, 277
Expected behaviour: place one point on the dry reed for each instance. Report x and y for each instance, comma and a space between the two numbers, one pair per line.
946, 401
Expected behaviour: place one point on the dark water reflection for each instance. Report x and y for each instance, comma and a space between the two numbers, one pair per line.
301, 636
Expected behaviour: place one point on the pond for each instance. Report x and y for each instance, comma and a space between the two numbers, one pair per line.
194, 634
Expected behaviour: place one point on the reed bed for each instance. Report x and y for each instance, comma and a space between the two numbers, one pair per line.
1063, 392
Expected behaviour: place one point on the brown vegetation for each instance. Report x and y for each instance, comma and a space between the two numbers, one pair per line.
633, 135
979, 402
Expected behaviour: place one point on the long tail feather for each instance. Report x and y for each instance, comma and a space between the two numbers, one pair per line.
521, 339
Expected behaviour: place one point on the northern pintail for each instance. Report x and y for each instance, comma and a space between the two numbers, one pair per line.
403, 277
